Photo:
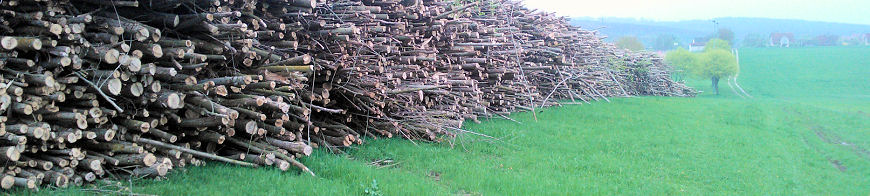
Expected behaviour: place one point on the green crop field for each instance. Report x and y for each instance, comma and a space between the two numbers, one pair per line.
805, 132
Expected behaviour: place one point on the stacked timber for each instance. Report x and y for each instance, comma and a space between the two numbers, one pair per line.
92, 89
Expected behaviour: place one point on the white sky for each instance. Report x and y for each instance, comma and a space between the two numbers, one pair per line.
844, 11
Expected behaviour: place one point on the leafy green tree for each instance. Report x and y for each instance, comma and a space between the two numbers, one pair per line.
725, 34
630, 42
682, 60
716, 64
717, 44
665, 42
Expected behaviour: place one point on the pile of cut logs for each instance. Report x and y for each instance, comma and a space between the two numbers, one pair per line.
94, 88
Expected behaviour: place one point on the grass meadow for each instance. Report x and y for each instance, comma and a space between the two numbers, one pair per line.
805, 132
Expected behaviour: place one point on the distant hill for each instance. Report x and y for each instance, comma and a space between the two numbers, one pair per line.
647, 30
614, 30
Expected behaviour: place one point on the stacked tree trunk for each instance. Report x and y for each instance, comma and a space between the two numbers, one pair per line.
93, 89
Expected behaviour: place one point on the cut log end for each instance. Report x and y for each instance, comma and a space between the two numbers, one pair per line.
173, 101
7, 181
114, 86
162, 169
251, 127
12, 154
156, 51
8, 43
145, 127
136, 89
47, 165
55, 29
34, 44
220, 90
90, 176
141, 34
112, 56
135, 64
175, 21
82, 123
65, 61
61, 181
149, 159
307, 150
109, 135
283, 165
260, 101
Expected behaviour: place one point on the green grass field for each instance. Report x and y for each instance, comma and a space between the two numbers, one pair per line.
806, 132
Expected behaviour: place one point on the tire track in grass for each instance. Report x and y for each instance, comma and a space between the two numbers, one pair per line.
826, 155
834, 139
829, 137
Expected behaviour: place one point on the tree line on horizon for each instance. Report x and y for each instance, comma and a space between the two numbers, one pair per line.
667, 42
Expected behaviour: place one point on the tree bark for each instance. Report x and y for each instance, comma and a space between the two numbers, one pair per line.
715, 84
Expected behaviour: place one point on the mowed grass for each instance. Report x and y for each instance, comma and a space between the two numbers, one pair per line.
806, 132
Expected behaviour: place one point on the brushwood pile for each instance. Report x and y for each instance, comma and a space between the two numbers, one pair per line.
93, 89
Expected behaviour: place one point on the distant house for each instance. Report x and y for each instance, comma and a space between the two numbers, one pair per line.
697, 46
781, 39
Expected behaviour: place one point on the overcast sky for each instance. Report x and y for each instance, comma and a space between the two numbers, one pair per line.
844, 11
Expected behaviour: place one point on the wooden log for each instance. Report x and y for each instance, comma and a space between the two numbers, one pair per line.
103, 54
171, 138
21, 182
213, 121
25, 43
289, 68
297, 147
247, 126
153, 171
115, 147
137, 125
205, 102
193, 152
212, 137
146, 159
113, 3
92, 164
